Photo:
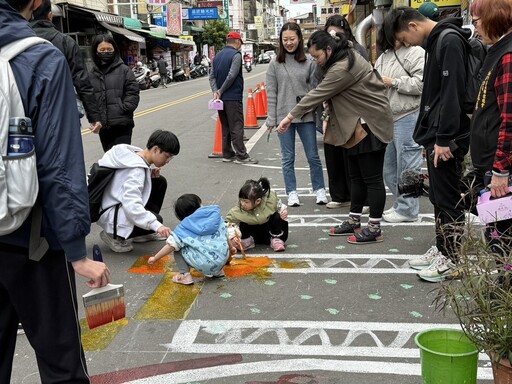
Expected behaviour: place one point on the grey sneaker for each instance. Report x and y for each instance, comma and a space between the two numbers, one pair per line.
119, 246
248, 160
228, 159
426, 260
149, 237
440, 269
337, 204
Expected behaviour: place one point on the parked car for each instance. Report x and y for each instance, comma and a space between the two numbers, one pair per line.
264, 58
272, 54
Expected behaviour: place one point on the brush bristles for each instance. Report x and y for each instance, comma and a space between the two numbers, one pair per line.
105, 312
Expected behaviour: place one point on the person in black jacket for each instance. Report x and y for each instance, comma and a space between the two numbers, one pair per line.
162, 69
117, 91
442, 128
44, 28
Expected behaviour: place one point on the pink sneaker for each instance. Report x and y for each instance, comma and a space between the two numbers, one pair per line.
183, 278
248, 243
277, 244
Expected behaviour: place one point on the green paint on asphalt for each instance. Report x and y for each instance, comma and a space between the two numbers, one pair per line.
332, 311
340, 247
374, 296
216, 329
415, 314
330, 281
323, 239
306, 297
394, 250
406, 286
225, 295
292, 246
255, 310
408, 238
269, 282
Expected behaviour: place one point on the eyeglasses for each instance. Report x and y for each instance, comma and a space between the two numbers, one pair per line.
474, 21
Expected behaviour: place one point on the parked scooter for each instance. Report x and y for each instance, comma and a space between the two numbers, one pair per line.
155, 78
195, 71
179, 74
142, 75
248, 66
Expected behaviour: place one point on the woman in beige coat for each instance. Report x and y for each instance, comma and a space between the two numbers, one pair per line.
359, 118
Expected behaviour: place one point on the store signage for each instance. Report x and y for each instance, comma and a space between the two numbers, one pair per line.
202, 13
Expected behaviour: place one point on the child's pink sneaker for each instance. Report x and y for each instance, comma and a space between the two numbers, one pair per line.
183, 278
277, 244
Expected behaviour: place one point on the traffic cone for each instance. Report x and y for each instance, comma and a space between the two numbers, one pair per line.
217, 143
250, 114
264, 94
260, 108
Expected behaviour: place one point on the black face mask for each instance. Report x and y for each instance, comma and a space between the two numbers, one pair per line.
107, 57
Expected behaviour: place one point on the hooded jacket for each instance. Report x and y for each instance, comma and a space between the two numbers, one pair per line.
117, 92
202, 238
46, 88
352, 94
130, 187
64, 43
441, 117
259, 215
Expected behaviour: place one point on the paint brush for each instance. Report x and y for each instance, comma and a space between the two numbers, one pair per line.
106, 304
241, 246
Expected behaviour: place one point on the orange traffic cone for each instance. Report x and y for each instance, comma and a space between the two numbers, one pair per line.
264, 94
217, 144
260, 108
250, 114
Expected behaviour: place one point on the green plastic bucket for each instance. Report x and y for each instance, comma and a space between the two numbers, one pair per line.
447, 357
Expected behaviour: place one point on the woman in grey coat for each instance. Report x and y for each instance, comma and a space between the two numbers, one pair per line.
289, 77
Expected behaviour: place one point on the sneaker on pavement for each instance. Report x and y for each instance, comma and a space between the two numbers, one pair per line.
395, 217
228, 159
388, 211
218, 274
321, 198
440, 269
247, 243
345, 229
337, 204
366, 210
277, 244
149, 237
366, 236
248, 160
426, 260
183, 278
293, 199
119, 246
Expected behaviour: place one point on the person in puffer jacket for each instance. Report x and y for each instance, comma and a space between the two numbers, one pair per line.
116, 90
202, 238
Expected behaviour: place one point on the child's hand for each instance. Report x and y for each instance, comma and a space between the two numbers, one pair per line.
284, 214
232, 251
164, 231
235, 241
151, 260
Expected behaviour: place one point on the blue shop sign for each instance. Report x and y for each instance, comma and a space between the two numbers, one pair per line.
203, 13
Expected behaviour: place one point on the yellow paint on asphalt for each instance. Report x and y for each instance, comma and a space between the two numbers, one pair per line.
100, 338
170, 301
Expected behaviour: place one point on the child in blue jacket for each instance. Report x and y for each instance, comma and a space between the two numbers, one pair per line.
201, 236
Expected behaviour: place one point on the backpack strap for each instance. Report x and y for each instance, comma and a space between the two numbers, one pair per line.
11, 50
443, 33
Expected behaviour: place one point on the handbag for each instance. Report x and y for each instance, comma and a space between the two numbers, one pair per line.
358, 136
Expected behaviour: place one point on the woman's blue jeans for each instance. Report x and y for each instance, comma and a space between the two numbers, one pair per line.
401, 154
307, 133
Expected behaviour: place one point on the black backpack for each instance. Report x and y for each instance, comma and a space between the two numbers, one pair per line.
97, 180
476, 57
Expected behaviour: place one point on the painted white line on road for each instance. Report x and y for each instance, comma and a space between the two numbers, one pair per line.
295, 366
355, 270
341, 256
254, 138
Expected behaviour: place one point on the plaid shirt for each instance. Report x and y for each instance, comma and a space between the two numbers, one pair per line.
503, 87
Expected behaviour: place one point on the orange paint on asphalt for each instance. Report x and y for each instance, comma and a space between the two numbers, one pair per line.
141, 266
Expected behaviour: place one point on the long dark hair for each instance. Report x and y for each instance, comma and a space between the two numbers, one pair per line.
339, 45
300, 55
254, 189
340, 22
97, 40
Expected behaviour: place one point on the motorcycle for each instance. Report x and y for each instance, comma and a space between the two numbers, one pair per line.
142, 75
248, 65
195, 71
155, 78
179, 74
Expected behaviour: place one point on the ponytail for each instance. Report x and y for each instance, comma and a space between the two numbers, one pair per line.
340, 45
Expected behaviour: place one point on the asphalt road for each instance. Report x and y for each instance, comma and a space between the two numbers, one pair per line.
324, 311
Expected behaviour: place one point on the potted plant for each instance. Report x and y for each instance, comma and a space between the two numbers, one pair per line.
481, 298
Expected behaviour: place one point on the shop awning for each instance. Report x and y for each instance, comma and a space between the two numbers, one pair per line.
175, 40
131, 23
150, 33
128, 34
